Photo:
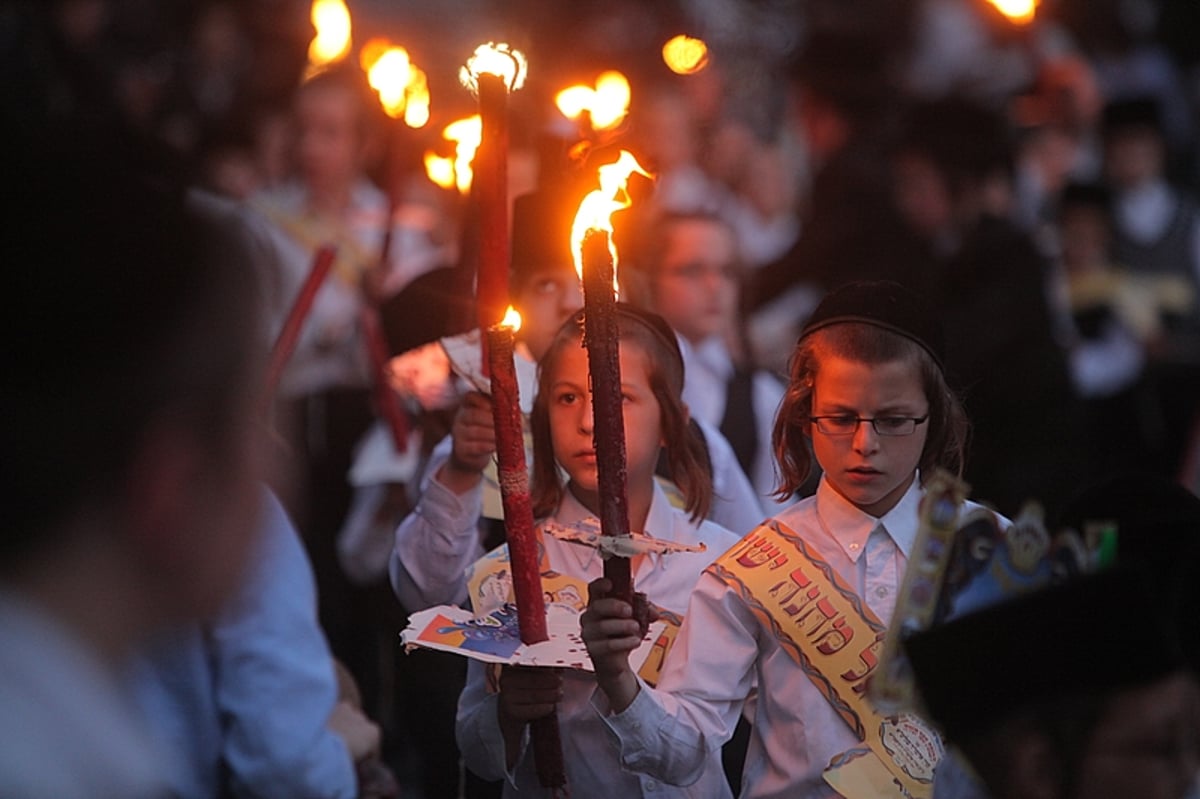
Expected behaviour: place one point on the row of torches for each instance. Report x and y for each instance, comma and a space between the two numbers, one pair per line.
481, 143
480, 166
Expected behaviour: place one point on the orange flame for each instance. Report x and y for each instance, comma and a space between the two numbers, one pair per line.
685, 55
1020, 12
511, 319
596, 209
496, 59
607, 103
456, 171
403, 87
331, 19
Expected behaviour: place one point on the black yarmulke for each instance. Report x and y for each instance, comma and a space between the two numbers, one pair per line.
1131, 113
885, 304
1097, 633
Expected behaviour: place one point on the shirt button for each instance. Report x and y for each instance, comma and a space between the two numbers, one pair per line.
854, 547
881, 592
650, 785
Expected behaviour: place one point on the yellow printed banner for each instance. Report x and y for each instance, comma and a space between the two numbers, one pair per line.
836, 640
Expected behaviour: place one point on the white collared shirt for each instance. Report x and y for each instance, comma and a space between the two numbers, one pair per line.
724, 654
708, 368
589, 755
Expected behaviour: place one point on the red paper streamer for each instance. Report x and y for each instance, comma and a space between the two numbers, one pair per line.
285, 343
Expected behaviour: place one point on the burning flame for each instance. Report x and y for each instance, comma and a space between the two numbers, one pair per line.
496, 59
607, 103
1018, 11
403, 87
685, 55
331, 18
511, 319
456, 171
596, 209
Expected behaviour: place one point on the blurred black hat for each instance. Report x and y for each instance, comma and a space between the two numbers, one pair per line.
1094, 634
1158, 529
541, 232
885, 304
1131, 114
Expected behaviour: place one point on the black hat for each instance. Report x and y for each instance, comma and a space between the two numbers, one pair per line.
1134, 112
541, 232
1158, 528
1093, 634
1085, 194
885, 304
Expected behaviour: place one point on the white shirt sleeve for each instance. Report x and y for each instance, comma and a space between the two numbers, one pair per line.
435, 544
671, 731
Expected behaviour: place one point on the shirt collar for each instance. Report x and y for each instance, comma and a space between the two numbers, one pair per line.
660, 520
713, 355
853, 526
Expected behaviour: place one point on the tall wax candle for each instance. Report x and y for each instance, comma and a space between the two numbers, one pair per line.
514, 486
491, 191
601, 338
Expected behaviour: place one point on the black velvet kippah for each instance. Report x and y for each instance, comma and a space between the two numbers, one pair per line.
884, 304
1093, 634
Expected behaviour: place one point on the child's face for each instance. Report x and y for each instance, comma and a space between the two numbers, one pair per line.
546, 301
329, 138
695, 286
869, 470
570, 411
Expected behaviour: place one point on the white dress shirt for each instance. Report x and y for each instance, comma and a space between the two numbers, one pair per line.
724, 653
588, 753
330, 351
708, 369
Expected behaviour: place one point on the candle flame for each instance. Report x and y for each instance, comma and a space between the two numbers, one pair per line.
1020, 12
495, 59
511, 319
607, 103
596, 209
331, 19
402, 86
685, 55
456, 171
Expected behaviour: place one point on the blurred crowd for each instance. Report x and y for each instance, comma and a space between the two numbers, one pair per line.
1037, 180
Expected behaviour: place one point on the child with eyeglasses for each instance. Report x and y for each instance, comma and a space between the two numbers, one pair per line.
868, 391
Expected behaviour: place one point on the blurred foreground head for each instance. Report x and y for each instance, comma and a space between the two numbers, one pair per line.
127, 423
1086, 689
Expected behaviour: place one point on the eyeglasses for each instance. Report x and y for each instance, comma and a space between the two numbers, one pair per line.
883, 425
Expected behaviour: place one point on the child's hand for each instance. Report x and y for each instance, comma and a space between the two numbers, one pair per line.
526, 693
474, 442
610, 633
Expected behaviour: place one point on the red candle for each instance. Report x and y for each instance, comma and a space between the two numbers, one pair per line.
385, 397
522, 541
514, 486
491, 192
601, 337
285, 343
